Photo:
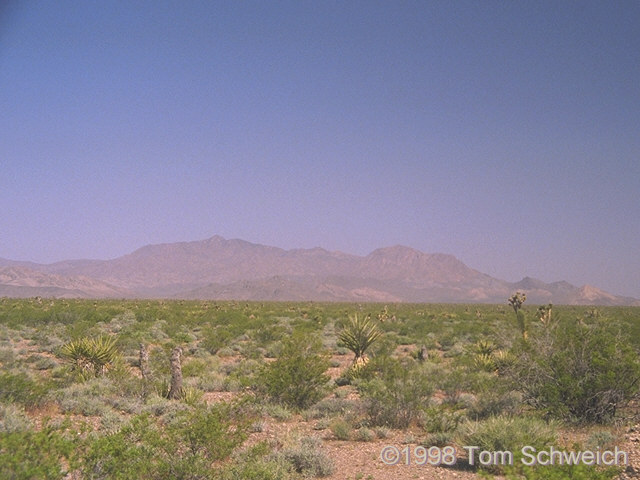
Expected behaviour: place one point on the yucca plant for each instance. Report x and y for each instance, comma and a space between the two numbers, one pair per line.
191, 396
485, 362
358, 335
504, 360
485, 347
91, 356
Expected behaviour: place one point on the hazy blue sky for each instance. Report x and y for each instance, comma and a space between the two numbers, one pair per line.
505, 133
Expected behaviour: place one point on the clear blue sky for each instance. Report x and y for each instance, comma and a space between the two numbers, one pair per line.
504, 133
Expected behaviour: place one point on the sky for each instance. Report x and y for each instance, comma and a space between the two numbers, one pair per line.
504, 133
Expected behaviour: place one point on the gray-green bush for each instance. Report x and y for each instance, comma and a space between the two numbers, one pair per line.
397, 394
297, 378
578, 371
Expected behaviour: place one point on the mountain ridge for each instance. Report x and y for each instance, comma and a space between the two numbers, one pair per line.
217, 268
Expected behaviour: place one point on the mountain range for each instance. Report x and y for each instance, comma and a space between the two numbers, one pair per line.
223, 269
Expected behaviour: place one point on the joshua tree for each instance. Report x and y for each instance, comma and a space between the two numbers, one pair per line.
383, 316
144, 362
516, 301
423, 354
544, 314
176, 374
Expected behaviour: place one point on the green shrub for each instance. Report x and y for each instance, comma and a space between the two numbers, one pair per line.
20, 388
13, 419
258, 469
257, 463
321, 424
308, 459
135, 451
578, 371
7, 357
27, 454
210, 432
243, 375
111, 422
601, 439
89, 398
226, 352
42, 362
507, 434
267, 334
297, 378
364, 434
147, 449
211, 382
397, 395
191, 396
194, 368
439, 439
277, 411
341, 429
215, 338
441, 420
495, 402
159, 406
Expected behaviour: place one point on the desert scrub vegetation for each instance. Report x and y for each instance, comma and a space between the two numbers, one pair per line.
45, 453
183, 446
84, 384
578, 370
395, 392
306, 457
297, 377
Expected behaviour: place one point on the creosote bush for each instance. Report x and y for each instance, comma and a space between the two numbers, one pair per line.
42, 454
18, 387
396, 395
297, 378
341, 429
183, 447
578, 371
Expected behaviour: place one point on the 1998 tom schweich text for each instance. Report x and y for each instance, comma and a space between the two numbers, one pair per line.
528, 455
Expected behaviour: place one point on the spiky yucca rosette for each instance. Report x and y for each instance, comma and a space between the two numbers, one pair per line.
358, 335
